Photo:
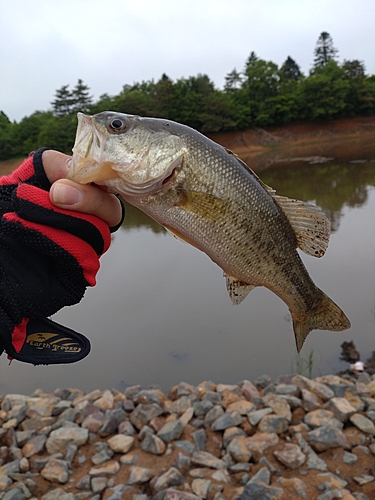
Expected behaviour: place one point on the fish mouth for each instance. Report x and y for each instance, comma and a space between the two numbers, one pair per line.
144, 173
86, 165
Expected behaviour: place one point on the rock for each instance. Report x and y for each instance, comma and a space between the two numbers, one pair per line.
5, 481
144, 413
256, 416
212, 415
279, 405
109, 469
105, 401
173, 494
93, 422
327, 436
321, 390
310, 401
56, 471
242, 406
200, 439
229, 419
120, 443
260, 441
341, 408
319, 417
349, 458
291, 456
250, 392
171, 431
207, 460
202, 407
201, 487
254, 491
187, 416
10, 467
263, 476
59, 439
153, 444
273, 424
295, 484
172, 477
34, 446
238, 449
139, 475
313, 461
363, 423
111, 422
98, 484
14, 494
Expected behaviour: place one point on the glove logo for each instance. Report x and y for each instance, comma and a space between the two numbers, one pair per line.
53, 342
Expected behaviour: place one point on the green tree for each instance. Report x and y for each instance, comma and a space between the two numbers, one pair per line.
324, 94
355, 69
105, 103
5, 136
80, 98
58, 132
290, 71
163, 97
63, 103
324, 50
262, 84
136, 99
233, 81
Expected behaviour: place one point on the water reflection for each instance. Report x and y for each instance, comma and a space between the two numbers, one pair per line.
331, 186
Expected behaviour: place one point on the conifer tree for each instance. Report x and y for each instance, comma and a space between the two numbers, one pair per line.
324, 50
62, 105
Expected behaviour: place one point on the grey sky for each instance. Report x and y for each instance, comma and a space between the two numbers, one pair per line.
45, 44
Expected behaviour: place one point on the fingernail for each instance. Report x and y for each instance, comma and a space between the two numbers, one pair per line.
65, 194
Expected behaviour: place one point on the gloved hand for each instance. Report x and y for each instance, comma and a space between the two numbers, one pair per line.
48, 256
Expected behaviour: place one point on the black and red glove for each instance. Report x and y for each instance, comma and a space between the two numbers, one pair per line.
48, 257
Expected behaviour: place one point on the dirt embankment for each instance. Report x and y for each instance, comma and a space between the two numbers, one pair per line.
349, 139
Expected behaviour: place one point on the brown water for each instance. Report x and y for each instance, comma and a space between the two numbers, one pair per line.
160, 313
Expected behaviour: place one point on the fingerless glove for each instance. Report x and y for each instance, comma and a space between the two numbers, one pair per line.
48, 257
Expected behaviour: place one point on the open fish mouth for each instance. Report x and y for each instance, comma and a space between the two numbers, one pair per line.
131, 174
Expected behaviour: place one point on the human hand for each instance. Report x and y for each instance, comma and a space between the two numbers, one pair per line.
49, 255
69, 195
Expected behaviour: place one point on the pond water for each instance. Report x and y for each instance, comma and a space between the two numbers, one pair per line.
160, 313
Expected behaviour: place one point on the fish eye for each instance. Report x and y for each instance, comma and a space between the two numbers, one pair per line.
117, 125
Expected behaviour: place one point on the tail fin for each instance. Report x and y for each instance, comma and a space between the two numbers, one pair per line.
328, 316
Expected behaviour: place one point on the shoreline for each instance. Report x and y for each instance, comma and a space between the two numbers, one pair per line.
292, 438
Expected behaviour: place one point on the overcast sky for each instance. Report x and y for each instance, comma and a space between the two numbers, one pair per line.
45, 44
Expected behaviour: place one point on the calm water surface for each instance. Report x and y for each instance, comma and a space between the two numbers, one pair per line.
160, 313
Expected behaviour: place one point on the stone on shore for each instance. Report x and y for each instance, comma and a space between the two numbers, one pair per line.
213, 442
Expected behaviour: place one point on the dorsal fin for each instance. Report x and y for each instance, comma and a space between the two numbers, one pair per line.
310, 224
237, 289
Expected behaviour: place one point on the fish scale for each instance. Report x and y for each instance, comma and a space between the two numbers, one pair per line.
206, 196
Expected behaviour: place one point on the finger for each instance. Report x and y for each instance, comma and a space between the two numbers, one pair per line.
86, 198
56, 164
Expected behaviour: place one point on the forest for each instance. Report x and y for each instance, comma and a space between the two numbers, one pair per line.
260, 95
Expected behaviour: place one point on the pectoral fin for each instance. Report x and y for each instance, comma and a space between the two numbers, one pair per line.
204, 205
237, 289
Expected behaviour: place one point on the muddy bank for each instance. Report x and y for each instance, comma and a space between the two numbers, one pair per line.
315, 142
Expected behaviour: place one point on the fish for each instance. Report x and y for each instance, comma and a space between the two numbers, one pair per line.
207, 196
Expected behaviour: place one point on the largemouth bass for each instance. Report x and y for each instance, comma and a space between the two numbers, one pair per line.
206, 196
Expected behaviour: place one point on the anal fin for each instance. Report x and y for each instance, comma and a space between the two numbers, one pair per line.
238, 290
